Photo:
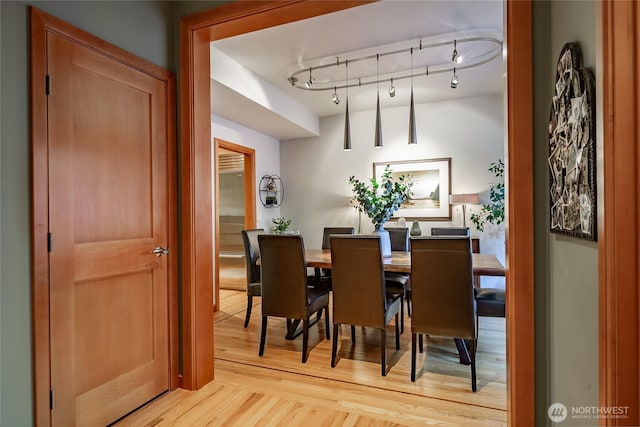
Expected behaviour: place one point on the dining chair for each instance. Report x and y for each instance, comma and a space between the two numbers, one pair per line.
359, 292
399, 283
450, 231
323, 276
491, 302
285, 290
251, 255
443, 294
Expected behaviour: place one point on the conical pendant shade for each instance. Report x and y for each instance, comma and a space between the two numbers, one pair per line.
347, 129
412, 122
378, 136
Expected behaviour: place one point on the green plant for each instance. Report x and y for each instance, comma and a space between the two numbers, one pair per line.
280, 225
380, 200
493, 211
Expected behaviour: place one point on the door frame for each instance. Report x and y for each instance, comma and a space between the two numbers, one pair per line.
41, 24
197, 31
249, 199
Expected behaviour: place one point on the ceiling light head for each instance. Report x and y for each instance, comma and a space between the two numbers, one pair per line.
309, 82
454, 56
454, 80
334, 97
392, 89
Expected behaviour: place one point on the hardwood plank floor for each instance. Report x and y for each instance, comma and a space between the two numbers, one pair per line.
278, 390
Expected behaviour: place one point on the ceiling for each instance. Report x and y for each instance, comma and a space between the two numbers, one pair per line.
273, 54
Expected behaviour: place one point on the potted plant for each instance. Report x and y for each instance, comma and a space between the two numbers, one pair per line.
492, 212
380, 200
281, 225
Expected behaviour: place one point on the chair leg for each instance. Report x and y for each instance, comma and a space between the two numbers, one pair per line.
401, 316
263, 335
413, 357
353, 334
326, 322
305, 339
319, 315
248, 315
472, 350
334, 346
409, 302
383, 351
421, 343
397, 334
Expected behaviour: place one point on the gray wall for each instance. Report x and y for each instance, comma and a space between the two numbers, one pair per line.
144, 28
566, 285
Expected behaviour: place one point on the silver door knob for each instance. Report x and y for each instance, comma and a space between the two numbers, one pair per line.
159, 251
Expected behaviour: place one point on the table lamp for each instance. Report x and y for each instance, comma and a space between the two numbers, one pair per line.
464, 200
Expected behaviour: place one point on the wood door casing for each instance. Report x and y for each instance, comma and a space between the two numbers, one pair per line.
105, 308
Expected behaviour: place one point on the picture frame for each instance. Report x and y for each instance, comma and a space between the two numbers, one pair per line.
571, 155
430, 191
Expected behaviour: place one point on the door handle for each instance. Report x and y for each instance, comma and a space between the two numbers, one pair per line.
159, 251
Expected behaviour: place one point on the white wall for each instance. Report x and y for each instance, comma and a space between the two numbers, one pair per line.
267, 159
315, 171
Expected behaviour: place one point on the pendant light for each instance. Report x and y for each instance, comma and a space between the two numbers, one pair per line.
347, 126
412, 112
378, 136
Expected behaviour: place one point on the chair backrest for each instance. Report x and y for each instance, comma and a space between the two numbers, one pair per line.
358, 280
252, 253
442, 287
284, 275
450, 231
399, 238
328, 231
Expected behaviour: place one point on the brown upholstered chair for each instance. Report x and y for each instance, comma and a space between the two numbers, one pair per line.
450, 231
251, 255
285, 290
399, 283
490, 301
359, 294
443, 294
323, 276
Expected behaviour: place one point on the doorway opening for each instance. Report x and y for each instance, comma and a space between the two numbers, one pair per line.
235, 210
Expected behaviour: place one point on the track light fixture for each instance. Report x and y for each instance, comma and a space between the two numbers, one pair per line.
413, 137
378, 135
454, 80
392, 89
347, 125
454, 56
309, 82
334, 97
485, 49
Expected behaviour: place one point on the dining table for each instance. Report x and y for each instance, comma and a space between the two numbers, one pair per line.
482, 265
400, 261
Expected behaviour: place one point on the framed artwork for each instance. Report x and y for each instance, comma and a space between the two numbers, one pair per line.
572, 162
430, 191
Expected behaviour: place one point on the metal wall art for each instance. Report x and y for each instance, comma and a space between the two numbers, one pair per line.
572, 171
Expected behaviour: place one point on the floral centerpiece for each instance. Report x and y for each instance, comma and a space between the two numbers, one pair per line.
280, 225
380, 200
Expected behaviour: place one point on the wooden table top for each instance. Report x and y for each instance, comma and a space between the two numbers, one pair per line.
483, 264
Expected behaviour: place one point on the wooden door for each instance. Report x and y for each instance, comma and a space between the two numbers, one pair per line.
107, 170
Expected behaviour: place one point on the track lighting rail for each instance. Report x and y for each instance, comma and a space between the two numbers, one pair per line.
493, 53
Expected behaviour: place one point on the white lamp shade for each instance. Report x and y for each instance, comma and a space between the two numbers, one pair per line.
459, 199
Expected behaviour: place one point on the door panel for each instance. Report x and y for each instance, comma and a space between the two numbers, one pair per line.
108, 210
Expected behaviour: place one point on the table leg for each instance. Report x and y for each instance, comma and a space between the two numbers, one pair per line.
463, 351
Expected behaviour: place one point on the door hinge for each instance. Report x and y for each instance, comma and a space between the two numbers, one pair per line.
47, 82
49, 242
50, 399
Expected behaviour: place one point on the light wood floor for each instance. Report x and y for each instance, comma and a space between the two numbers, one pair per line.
278, 390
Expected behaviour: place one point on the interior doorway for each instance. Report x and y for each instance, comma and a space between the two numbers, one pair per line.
235, 210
